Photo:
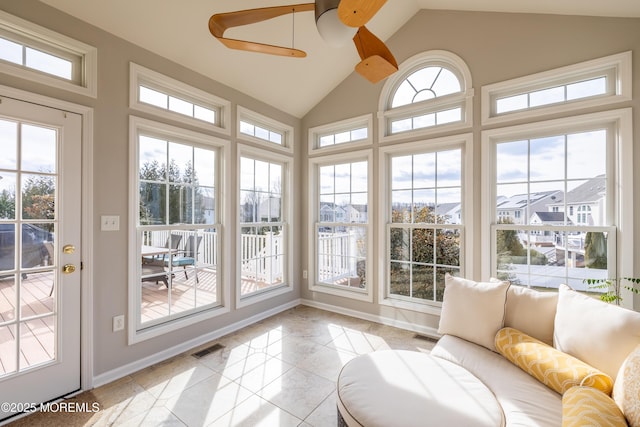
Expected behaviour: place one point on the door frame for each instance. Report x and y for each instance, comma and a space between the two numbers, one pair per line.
86, 255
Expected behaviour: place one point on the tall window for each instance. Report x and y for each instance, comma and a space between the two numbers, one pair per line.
424, 222
263, 243
177, 223
433, 90
568, 180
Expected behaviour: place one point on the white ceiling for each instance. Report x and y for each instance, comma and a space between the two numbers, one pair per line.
178, 30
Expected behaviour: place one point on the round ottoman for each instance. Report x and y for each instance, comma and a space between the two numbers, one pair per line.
408, 388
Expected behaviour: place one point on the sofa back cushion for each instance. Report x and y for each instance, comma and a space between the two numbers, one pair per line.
595, 332
531, 312
555, 369
472, 310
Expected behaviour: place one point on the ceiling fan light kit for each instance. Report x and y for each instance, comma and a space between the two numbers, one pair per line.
336, 21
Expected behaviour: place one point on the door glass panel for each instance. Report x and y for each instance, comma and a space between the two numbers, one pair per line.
28, 303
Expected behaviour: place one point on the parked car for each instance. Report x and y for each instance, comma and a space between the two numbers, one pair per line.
34, 251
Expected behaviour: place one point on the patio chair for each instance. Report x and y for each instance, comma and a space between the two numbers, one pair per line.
173, 242
188, 257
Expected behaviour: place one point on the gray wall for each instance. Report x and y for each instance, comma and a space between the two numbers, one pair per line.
110, 169
496, 47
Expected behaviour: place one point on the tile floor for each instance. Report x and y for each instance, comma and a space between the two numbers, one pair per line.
281, 371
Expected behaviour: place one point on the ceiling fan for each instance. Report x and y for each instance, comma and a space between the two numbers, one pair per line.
336, 20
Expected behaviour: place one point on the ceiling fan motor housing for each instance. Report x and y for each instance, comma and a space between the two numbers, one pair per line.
329, 25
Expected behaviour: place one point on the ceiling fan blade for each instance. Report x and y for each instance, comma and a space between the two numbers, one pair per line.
220, 22
377, 60
356, 13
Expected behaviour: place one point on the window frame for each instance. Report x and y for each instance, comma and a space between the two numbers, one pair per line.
620, 122
287, 223
314, 218
317, 132
463, 99
257, 119
465, 143
142, 76
617, 67
83, 56
139, 125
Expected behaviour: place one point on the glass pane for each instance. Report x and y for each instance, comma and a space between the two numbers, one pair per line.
401, 172
399, 244
422, 241
512, 103
153, 97
512, 161
449, 116
544, 197
399, 278
10, 51
586, 154
327, 140
246, 128
205, 167
401, 202
204, 205
38, 196
426, 120
48, 63
8, 297
275, 137
38, 148
8, 143
37, 341
424, 202
401, 125
446, 83
424, 167
422, 282
587, 88
8, 195
449, 168
205, 114
7, 247
153, 158
359, 177
180, 162
262, 258
327, 179
261, 133
448, 247
546, 96
34, 251
261, 177
180, 106
424, 78
327, 209
404, 95
248, 206
343, 178
547, 158
180, 204
36, 294
152, 203
343, 137
358, 134
8, 343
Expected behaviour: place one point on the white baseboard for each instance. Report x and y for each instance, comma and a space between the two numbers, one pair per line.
423, 330
132, 367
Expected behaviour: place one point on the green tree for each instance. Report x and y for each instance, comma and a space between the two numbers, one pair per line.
38, 199
7, 204
595, 250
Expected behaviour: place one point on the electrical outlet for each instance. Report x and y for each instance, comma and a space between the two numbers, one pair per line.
118, 323
110, 223
304, 274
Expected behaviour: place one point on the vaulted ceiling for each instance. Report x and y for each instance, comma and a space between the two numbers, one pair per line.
178, 30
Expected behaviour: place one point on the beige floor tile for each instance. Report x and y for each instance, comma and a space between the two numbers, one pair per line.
326, 414
298, 391
258, 378
293, 349
256, 412
227, 356
243, 366
326, 362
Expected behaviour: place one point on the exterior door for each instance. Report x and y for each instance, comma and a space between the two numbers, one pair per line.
40, 222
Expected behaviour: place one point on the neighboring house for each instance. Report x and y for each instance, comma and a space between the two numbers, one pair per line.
451, 212
330, 212
585, 203
514, 208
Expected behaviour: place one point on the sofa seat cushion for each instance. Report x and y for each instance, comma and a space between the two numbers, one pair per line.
586, 406
524, 400
555, 369
409, 388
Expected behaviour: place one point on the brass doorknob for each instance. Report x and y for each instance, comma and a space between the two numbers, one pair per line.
68, 268
68, 249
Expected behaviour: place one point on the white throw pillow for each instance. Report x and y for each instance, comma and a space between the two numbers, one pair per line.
595, 332
532, 312
626, 390
473, 310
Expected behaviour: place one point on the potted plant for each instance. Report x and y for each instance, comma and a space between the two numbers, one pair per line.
613, 287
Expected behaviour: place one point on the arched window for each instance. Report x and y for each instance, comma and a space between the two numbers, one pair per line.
431, 91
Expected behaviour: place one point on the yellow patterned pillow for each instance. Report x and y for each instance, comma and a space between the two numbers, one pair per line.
626, 391
555, 369
586, 406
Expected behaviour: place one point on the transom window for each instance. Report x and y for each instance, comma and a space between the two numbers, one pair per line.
36, 53
257, 128
432, 90
349, 133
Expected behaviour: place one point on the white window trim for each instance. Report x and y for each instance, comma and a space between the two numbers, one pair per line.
315, 133
465, 142
287, 220
139, 75
464, 99
622, 119
44, 36
314, 164
249, 116
618, 65
136, 125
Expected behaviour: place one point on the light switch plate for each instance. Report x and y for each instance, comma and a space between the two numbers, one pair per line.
110, 223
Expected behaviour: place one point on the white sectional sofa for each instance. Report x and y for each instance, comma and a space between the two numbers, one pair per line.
563, 359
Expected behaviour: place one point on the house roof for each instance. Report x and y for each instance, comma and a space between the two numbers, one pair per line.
545, 216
